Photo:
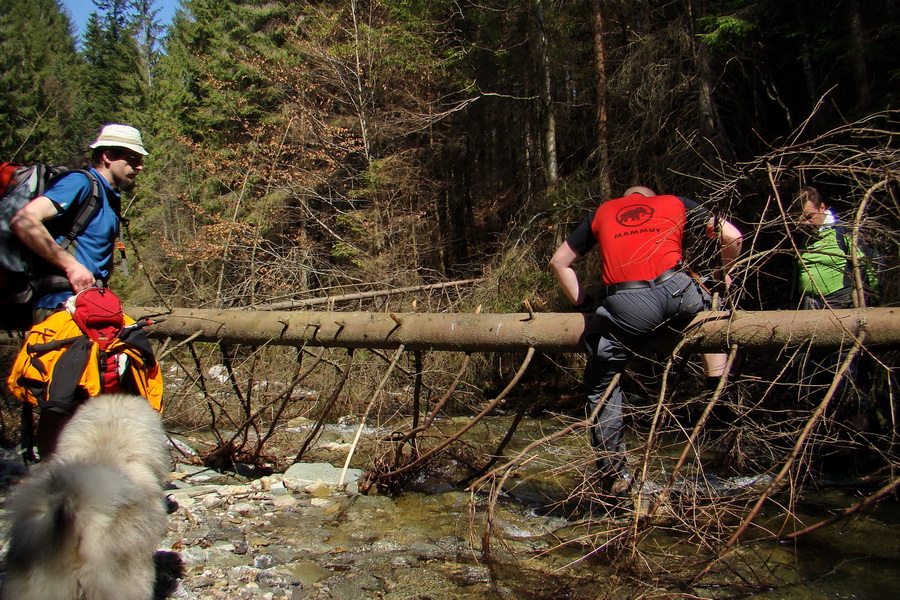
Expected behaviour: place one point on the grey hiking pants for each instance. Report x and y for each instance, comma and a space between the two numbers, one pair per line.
627, 319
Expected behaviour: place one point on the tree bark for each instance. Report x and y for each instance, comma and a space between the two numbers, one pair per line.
548, 115
358, 96
602, 100
710, 127
857, 50
546, 332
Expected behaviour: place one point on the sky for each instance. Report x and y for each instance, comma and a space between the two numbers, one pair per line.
80, 10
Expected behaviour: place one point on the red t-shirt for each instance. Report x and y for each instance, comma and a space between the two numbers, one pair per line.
639, 237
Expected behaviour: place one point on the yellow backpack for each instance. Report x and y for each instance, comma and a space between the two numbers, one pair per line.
60, 366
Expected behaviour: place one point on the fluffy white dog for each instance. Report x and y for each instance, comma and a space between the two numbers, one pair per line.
86, 524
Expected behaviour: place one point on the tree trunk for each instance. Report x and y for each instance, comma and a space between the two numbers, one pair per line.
805, 56
602, 99
546, 332
548, 116
359, 97
293, 304
857, 50
709, 121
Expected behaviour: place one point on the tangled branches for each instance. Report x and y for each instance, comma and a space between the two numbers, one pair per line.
719, 470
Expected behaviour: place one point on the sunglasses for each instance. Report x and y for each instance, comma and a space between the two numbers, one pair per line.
131, 157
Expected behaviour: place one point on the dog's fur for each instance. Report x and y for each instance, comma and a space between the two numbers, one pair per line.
86, 524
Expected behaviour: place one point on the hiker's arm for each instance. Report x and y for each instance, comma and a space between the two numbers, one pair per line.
561, 264
730, 240
28, 225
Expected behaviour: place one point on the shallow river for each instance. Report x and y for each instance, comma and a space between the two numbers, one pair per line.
265, 540
261, 538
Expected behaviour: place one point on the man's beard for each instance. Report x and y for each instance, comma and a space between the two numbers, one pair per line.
125, 184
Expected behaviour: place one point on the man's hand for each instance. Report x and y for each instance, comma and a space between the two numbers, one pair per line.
79, 277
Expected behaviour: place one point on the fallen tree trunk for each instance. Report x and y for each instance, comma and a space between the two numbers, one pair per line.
331, 300
545, 332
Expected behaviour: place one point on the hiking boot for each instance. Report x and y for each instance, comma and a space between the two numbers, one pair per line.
614, 493
617, 486
620, 488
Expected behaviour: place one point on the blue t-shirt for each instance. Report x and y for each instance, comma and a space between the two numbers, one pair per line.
96, 244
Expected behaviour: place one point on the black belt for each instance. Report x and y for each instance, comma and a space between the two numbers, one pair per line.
642, 283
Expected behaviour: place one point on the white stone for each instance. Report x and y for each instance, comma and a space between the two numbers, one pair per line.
319, 489
322, 502
219, 373
313, 472
286, 501
243, 508
212, 501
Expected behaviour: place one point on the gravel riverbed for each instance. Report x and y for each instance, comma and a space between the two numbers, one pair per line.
300, 535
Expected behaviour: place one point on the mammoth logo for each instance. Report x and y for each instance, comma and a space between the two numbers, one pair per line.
634, 215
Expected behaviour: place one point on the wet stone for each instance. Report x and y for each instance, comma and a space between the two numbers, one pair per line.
212, 501
306, 572
265, 561
244, 509
193, 556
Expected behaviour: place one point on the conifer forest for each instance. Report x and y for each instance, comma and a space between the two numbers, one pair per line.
429, 156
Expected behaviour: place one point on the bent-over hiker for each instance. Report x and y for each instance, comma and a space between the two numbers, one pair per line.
640, 240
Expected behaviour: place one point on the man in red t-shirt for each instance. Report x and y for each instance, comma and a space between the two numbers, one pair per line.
639, 237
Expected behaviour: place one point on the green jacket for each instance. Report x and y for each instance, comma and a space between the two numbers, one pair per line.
825, 267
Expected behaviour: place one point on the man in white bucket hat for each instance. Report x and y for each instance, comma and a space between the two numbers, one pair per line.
117, 158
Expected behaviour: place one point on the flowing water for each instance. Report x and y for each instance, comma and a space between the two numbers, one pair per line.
245, 538
429, 543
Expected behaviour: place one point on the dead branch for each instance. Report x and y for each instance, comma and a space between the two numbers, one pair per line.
474, 420
332, 300
410, 435
798, 445
362, 420
320, 422
884, 491
690, 445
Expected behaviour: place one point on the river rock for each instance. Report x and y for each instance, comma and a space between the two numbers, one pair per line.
212, 501
245, 509
300, 423
301, 475
284, 501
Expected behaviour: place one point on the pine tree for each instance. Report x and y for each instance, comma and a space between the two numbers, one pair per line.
304, 120
40, 83
147, 31
114, 76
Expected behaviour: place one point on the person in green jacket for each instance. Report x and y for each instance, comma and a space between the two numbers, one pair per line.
824, 265
825, 279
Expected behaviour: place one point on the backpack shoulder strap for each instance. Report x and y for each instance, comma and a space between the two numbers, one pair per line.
841, 234
86, 212
53, 281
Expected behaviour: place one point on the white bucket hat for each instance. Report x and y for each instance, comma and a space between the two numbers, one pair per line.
120, 136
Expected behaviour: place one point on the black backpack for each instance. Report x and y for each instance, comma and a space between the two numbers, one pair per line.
24, 275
